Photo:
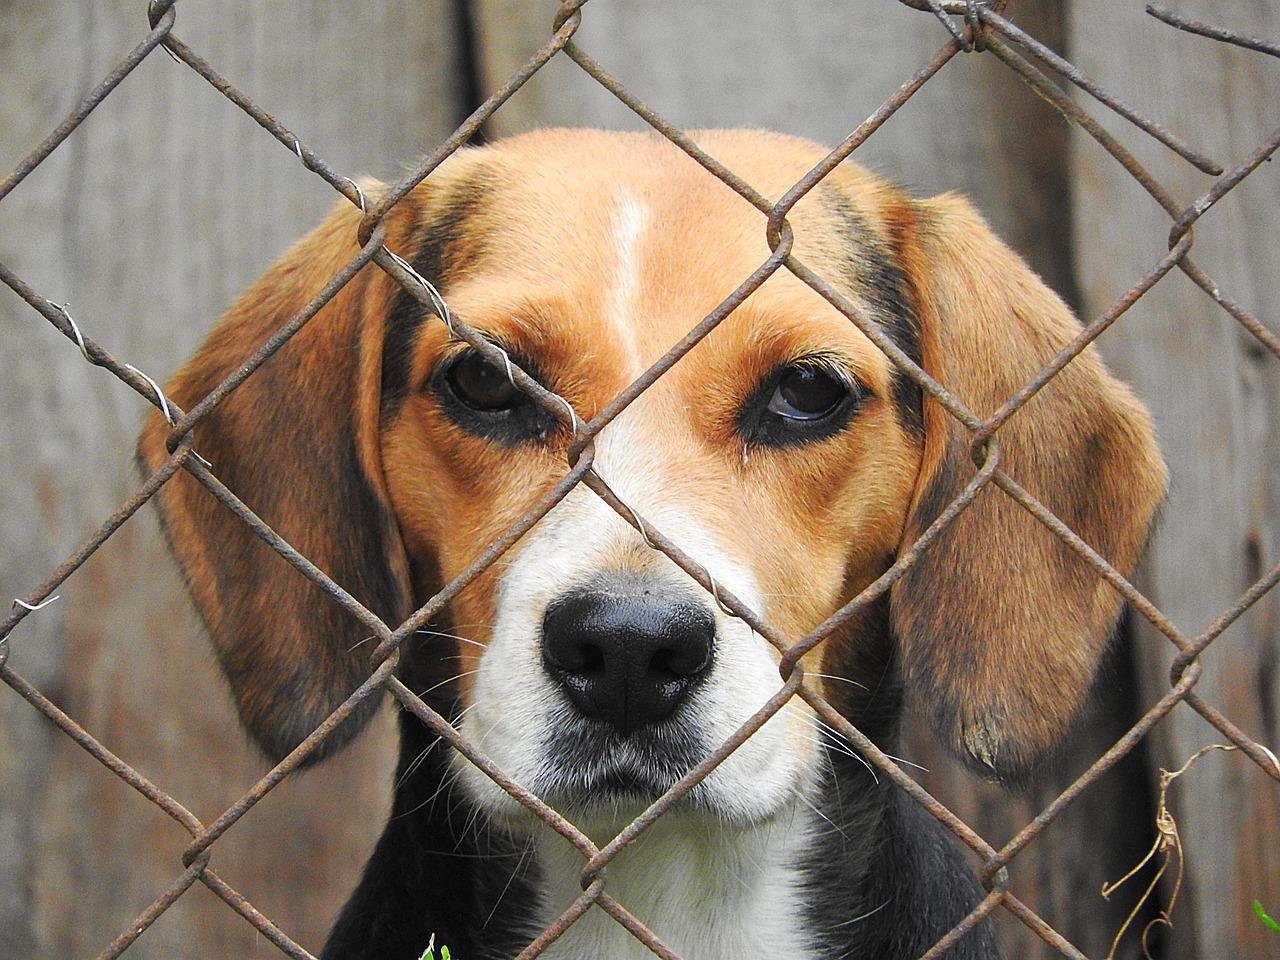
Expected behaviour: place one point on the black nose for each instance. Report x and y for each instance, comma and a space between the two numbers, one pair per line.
629, 659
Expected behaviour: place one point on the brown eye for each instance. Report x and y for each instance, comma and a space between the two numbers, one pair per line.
480, 385
807, 393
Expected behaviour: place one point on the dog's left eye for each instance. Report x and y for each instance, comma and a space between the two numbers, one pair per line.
479, 396
481, 385
800, 402
807, 393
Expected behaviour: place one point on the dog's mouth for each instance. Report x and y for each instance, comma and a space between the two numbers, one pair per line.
601, 779
623, 784
588, 766
610, 795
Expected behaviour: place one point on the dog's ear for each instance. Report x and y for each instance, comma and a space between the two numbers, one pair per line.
298, 443
1000, 625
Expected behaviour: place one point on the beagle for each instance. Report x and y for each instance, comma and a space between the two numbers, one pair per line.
785, 453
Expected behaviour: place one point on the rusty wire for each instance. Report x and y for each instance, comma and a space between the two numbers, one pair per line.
970, 26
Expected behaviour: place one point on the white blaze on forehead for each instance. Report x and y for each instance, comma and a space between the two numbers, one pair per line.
627, 225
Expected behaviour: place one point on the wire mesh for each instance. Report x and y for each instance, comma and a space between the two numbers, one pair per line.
971, 27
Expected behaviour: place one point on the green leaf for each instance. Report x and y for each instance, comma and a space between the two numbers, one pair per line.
1257, 908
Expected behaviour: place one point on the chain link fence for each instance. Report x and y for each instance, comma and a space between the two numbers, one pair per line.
970, 27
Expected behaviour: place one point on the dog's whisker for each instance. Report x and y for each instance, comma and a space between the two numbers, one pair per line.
907, 762
427, 749
515, 871
858, 919
841, 743
419, 806
830, 676
451, 636
417, 762
462, 713
414, 765
456, 676
445, 781
457, 854
825, 741
812, 806
827, 728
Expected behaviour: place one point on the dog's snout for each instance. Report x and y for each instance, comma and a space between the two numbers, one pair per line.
629, 659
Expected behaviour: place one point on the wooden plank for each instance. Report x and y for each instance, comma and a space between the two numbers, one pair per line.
156, 213
1215, 394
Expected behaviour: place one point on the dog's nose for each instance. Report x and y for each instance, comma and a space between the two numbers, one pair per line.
629, 659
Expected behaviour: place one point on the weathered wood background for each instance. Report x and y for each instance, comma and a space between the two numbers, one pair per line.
168, 201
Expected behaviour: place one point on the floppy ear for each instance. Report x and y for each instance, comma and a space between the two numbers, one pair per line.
298, 443
1000, 625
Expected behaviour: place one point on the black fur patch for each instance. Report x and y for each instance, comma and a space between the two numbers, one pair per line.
440, 256
441, 868
883, 878
873, 274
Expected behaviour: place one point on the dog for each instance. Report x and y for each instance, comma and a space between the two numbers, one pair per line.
785, 453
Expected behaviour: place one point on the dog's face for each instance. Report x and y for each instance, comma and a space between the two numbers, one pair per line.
777, 454
785, 454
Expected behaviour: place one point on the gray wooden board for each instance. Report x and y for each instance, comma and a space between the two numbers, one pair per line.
149, 221
1215, 395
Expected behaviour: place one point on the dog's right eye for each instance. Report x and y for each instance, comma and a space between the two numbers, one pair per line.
807, 394
481, 385
801, 402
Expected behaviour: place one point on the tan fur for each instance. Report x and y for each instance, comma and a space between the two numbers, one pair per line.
283, 644
1025, 619
1000, 627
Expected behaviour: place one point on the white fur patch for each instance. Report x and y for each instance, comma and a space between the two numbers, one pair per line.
628, 223
707, 891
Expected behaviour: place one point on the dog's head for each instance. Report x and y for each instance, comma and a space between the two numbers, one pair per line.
784, 453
